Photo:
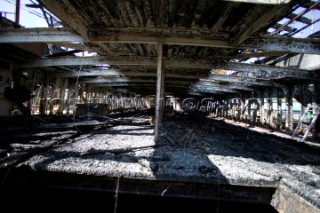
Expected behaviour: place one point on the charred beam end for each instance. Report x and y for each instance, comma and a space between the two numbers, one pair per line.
242, 80
262, 1
282, 44
43, 35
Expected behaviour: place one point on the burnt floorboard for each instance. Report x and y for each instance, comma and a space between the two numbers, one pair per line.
195, 158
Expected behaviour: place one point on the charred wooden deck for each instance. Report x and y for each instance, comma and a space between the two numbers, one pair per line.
220, 163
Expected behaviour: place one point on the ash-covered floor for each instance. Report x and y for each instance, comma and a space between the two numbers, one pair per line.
195, 157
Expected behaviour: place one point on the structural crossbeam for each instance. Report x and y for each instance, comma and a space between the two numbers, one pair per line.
268, 71
168, 37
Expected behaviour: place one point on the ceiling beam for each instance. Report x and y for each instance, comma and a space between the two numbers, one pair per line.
68, 38
40, 35
128, 80
116, 80
213, 89
269, 43
119, 61
68, 13
269, 72
258, 54
263, 17
262, 1
91, 60
284, 44
114, 72
138, 84
241, 80
259, 70
78, 46
212, 84
166, 36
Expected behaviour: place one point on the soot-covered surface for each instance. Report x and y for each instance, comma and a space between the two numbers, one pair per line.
189, 149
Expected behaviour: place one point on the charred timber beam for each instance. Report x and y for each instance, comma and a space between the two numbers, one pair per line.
211, 89
78, 61
114, 72
284, 44
126, 80
142, 84
262, 1
268, 43
116, 80
259, 54
39, 35
73, 18
69, 38
269, 72
264, 71
170, 37
78, 46
209, 86
118, 61
260, 18
242, 80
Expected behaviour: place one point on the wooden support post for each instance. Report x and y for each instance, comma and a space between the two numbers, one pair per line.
242, 107
63, 96
159, 95
43, 95
289, 123
315, 102
270, 110
17, 15
279, 109
163, 96
262, 114
302, 100
59, 94
87, 94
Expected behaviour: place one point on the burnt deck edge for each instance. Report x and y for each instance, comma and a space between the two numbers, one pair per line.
282, 197
286, 200
25, 179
